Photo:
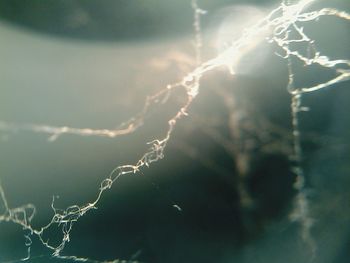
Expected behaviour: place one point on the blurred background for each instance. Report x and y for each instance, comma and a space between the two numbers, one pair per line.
92, 63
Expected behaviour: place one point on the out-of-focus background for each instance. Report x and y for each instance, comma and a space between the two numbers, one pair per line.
92, 64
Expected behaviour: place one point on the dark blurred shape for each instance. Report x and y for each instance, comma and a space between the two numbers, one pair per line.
107, 19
